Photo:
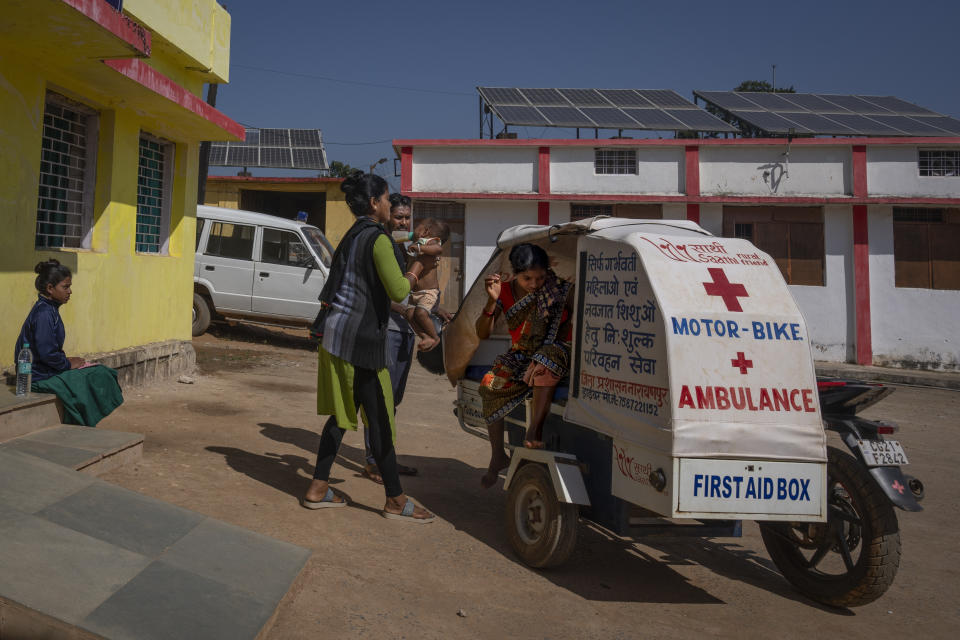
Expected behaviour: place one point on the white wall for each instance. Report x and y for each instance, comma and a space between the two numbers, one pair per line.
711, 218
829, 310
738, 170
660, 172
473, 170
483, 222
559, 212
894, 171
911, 327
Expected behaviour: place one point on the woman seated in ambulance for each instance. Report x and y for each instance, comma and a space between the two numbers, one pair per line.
537, 306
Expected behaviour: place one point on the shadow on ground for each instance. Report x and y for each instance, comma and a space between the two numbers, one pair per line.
257, 334
602, 568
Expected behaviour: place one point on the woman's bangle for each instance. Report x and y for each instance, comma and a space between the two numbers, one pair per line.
415, 277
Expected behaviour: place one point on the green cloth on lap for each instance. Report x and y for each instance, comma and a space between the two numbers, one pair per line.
88, 395
335, 391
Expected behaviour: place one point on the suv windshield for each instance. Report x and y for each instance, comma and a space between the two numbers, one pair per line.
320, 244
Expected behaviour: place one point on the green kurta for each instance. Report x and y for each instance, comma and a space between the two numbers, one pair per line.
335, 375
88, 395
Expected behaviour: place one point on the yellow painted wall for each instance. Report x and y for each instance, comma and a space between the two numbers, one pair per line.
120, 298
198, 30
225, 193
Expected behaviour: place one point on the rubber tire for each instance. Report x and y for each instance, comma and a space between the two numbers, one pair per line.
879, 557
201, 314
560, 533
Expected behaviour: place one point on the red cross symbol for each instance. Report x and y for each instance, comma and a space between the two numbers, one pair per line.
899, 487
742, 363
725, 289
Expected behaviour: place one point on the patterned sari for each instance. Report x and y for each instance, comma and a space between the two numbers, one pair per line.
544, 338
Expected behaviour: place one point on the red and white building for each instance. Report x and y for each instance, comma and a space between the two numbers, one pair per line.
865, 230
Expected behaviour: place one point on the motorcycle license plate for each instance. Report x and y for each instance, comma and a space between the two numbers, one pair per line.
882, 453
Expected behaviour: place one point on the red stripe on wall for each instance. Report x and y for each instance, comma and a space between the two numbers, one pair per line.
692, 156
115, 22
143, 74
693, 213
672, 142
543, 213
543, 171
861, 280
859, 171
406, 169
629, 197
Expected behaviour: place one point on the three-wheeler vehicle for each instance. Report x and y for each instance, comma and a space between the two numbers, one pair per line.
691, 405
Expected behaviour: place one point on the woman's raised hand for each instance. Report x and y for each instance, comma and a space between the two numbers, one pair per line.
493, 284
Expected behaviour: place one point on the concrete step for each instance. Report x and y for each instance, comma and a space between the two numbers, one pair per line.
20, 416
85, 559
85, 449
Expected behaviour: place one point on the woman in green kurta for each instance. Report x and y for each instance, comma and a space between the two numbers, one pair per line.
351, 374
87, 391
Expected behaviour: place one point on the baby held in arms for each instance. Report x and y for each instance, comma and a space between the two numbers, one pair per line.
428, 239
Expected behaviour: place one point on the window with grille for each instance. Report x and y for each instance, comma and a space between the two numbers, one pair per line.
633, 210
67, 174
153, 195
615, 162
939, 162
926, 248
792, 236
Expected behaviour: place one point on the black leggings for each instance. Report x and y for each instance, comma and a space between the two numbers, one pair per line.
368, 394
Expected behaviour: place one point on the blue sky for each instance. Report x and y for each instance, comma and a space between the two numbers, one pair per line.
433, 54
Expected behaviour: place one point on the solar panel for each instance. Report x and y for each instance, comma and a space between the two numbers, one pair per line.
276, 157
768, 121
309, 159
666, 99
655, 109
898, 106
728, 100
584, 98
818, 123
942, 122
698, 120
812, 103
243, 156
278, 148
496, 96
304, 137
909, 126
770, 101
864, 126
625, 98
218, 154
656, 119
609, 118
824, 114
856, 105
566, 117
546, 97
520, 115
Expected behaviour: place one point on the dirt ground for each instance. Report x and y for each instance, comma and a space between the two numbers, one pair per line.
240, 445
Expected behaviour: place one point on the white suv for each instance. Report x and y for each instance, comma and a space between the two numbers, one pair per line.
253, 267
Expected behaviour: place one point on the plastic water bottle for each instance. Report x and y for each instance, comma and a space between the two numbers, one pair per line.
402, 236
24, 370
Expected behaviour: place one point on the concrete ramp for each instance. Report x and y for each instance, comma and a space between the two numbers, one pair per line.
81, 558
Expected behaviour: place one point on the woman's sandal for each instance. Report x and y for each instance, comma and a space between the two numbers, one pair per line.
407, 514
328, 502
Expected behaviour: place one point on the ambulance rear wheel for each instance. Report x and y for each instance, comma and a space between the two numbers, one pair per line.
542, 530
851, 559
201, 314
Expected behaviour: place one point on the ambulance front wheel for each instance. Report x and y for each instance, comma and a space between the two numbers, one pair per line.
851, 559
542, 530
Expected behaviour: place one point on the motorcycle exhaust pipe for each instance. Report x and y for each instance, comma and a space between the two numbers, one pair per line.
915, 486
